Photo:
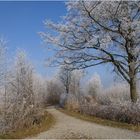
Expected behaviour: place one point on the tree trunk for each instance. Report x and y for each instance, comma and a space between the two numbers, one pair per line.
133, 90
133, 83
67, 89
132, 73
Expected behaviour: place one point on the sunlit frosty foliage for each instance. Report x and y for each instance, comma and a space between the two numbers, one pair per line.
99, 32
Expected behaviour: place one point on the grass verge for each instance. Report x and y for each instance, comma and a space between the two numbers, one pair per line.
45, 124
101, 121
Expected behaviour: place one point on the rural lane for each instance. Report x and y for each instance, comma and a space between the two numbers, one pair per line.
67, 127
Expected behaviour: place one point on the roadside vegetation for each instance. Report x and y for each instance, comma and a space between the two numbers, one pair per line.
46, 122
91, 33
98, 33
112, 103
100, 121
22, 97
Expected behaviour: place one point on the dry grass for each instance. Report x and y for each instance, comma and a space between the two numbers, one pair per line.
101, 121
46, 123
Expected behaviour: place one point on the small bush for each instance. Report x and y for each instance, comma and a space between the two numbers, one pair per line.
72, 103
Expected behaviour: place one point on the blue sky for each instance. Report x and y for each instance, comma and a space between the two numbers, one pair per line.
20, 23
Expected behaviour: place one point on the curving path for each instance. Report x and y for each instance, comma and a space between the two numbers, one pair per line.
67, 127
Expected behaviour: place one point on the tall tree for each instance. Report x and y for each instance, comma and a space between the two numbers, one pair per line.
94, 85
22, 86
3, 80
100, 32
65, 77
76, 77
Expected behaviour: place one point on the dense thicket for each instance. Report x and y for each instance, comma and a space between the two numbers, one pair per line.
21, 93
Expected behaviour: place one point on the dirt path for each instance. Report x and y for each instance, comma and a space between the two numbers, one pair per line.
70, 128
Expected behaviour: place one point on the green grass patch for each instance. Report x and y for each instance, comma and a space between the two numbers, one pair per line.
100, 121
46, 123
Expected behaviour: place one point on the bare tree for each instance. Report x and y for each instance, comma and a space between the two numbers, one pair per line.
100, 32
65, 77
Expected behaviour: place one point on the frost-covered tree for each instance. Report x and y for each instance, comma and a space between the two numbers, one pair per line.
100, 32
3, 83
3, 59
24, 77
22, 98
54, 90
94, 85
76, 77
40, 90
64, 75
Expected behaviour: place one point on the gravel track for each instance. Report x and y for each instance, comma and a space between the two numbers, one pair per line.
68, 127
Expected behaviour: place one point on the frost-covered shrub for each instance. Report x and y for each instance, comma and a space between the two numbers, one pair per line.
18, 96
94, 86
72, 103
122, 112
114, 94
113, 104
